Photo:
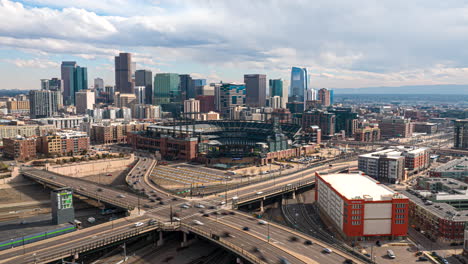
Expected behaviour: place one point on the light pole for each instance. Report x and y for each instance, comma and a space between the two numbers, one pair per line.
34, 255
268, 232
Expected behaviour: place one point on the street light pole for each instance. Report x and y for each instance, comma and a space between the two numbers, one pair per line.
268, 231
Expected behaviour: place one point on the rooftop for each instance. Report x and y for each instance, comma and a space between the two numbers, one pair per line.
357, 186
454, 165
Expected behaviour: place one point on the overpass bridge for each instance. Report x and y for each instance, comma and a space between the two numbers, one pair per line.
273, 240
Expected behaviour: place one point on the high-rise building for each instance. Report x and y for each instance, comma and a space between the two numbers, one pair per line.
166, 88
323, 119
85, 100
231, 95
192, 108
346, 120
324, 96
44, 103
198, 85
186, 87
275, 102
299, 84
277, 89
125, 100
255, 86
99, 84
145, 78
140, 93
332, 97
123, 73
75, 78
109, 93
207, 103
53, 84
396, 127
461, 134
311, 95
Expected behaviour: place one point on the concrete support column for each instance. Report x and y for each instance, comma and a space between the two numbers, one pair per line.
239, 261
184, 240
294, 195
261, 206
160, 240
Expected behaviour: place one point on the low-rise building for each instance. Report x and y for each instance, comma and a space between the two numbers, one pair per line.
367, 134
425, 127
396, 127
63, 143
360, 207
18, 107
11, 131
19, 148
112, 133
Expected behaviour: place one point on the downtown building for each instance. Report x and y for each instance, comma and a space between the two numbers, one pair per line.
123, 74
323, 119
277, 89
460, 134
367, 134
145, 78
44, 103
299, 84
360, 207
85, 100
396, 127
255, 86
75, 78
231, 95
19, 148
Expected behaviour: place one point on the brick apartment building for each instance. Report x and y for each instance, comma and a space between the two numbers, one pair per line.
19, 148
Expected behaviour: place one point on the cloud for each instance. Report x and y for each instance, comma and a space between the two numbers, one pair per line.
343, 43
33, 63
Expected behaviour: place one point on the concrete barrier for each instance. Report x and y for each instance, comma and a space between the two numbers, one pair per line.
87, 168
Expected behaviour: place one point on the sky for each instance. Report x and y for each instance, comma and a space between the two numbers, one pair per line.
344, 44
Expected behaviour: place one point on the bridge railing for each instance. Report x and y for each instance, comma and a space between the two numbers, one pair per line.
86, 193
234, 248
106, 241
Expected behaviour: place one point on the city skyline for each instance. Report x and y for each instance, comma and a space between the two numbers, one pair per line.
370, 46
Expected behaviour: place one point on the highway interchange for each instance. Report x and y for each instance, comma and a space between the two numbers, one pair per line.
221, 220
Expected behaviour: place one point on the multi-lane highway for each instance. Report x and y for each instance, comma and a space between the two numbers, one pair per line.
236, 231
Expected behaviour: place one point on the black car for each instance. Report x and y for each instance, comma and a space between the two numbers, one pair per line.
308, 242
246, 228
348, 261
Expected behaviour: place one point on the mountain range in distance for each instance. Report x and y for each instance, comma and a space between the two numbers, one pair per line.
411, 89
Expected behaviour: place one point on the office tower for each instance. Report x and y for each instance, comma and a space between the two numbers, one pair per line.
397, 126
145, 78
345, 119
323, 119
207, 103
324, 97
299, 84
75, 78
192, 108
198, 85
186, 87
217, 95
123, 73
85, 100
125, 100
332, 97
109, 94
166, 88
140, 93
277, 89
53, 84
460, 134
44, 103
311, 95
99, 84
255, 86
230, 96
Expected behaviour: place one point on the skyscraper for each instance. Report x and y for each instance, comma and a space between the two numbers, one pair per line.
192, 108
75, 78
123, 73
140, 93
198, 85
255, 86
230, 96
277, 89
99, 84
145, 78
44, 103
460, 134
166, 88
187, 88
85, 100
299, 84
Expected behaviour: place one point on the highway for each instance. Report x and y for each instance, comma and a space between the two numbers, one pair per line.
279, 244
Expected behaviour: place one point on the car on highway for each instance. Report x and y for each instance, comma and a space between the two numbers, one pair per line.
348, 261
197, 222
258, 193
222, 203
177, 219
308, 242
327, 250
262, 222
185, 206
199, 206
246, 228
120, 196
235, 198
422, 258
284, 261
138, 224
152, 222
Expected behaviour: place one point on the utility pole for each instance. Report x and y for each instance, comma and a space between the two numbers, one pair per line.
170, 215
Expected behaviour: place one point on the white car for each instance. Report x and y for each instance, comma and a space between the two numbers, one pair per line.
327, 250
196, 222
177, 219
185, 206
138, 224
262, 222
222, 203
258, 193
235, 198
199, 206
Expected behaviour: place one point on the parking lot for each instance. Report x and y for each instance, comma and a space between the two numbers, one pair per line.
404, 254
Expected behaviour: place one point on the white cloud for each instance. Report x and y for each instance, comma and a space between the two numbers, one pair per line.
33, 63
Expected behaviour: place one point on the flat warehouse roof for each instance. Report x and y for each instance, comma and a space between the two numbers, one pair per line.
356, 186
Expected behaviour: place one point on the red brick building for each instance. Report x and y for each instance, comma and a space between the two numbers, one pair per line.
416, 159
170, 148
19, 148
206, 103
360, 207
367, 134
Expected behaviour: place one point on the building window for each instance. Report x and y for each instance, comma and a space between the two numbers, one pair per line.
400, 205
356, 212
356, 222
356, 217
399, 222
400, 211
400, 216
357, 206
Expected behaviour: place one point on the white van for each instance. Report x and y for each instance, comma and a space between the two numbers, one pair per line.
390, 254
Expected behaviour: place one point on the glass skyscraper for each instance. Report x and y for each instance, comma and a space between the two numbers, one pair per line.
75, 78
276, 87
299, 84
167, 88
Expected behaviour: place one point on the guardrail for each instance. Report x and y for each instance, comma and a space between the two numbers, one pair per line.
86, 193
106, 241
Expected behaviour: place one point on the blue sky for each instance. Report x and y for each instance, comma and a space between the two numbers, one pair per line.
344, 44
